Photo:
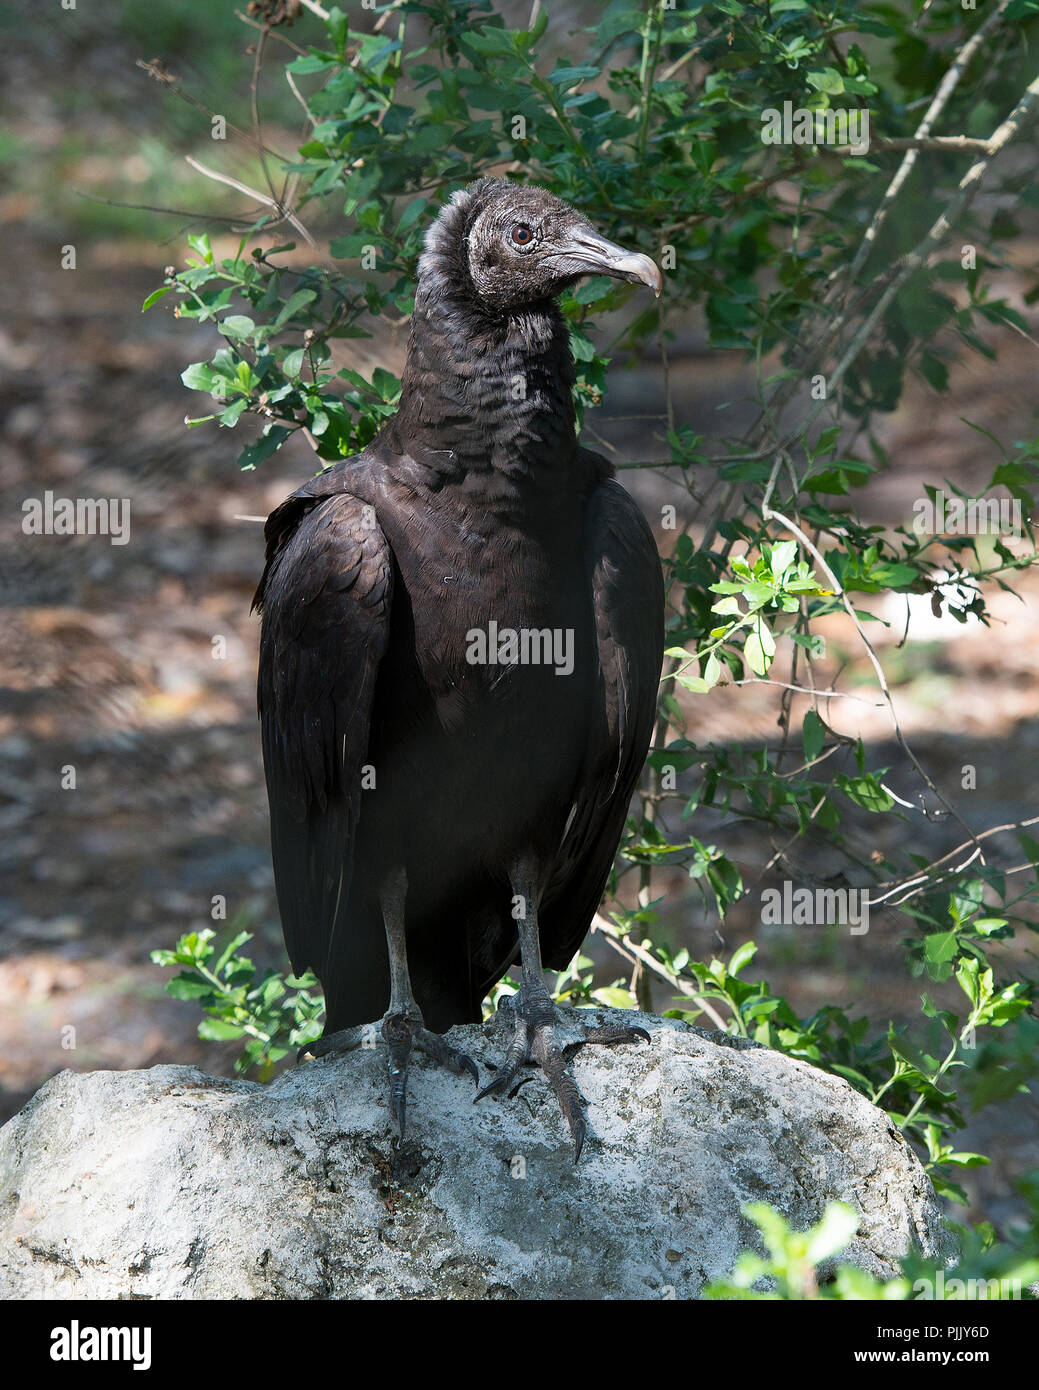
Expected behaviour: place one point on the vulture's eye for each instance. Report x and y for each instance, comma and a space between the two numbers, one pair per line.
521, 234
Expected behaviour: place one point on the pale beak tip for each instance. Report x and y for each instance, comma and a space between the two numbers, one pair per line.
647, 271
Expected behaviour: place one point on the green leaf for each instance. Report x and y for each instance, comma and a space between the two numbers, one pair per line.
230, 949
231, 415
784, 553
742, 956
941, 947
155, 296
614, 998
834, 1232
813, 735
813, 643
894, 575
236, 326
695, 684
292, 306
254, 454
188, 986
569, 77
201, 247
201, 376
865, 791
826, 80
759, 649
387, 385
217, 1030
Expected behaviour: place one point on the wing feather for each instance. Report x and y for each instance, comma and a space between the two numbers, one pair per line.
325, 597
628, 607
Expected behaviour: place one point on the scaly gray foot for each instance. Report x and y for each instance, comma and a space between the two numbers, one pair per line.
533, 1021
400, 1032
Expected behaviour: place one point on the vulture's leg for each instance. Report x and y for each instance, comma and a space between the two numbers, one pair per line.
535, 1017
402, 1026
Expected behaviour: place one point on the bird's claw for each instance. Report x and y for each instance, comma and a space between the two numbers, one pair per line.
517, 1057
534, 1041
401, 1032
612, 1035
345, 1040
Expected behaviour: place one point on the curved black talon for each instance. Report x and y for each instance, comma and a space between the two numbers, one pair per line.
517, 1055
504, 1079
470, 1067
612, 1035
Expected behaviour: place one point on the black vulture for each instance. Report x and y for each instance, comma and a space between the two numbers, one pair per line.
461, 646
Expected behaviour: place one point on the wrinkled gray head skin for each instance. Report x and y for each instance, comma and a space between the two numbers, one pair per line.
520, 245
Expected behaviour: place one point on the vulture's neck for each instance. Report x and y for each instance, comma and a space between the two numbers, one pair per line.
484, 395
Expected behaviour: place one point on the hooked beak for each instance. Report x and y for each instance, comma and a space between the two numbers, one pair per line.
601, 257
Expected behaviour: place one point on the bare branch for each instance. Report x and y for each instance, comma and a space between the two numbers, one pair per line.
960, 201
941, 98
625, 945
807, 690
253, 193
947, 143
299, 96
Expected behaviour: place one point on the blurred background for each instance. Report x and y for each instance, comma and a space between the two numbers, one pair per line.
108, 651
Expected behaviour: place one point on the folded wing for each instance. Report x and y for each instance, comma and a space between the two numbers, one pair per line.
325, 597
628, 600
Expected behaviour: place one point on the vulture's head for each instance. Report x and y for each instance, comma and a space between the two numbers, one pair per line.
519, 245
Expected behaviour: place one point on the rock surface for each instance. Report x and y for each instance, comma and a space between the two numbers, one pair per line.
169, 1183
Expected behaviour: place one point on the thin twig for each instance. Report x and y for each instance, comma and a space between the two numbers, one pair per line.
253, 193
625, 944
254, 88
834, 324
807, 690
299, 96
939, 143
941, 98
158, 71
273, 33
965, 193
902, 884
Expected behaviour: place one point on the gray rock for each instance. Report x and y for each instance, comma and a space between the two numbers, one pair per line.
168, 1183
